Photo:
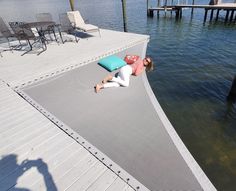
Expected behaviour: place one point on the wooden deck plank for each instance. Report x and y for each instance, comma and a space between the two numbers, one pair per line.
103, 182
89, 177
8, 123
16, 127
24, 135
66, 173
117, 185
48, 152
49, 163
76, 157
22, 152
24, 143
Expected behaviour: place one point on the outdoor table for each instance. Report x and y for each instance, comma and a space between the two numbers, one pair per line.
39, 25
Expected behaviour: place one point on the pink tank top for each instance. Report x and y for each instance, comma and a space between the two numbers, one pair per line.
136, 64
137, 67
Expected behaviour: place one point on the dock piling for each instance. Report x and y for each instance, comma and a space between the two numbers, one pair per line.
231, 16
226, 16
192, 8
158, 5
212, 13
205, 16
217, 14
232, 92
124, 15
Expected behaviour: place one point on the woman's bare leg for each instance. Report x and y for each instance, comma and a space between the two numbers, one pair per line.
98, 87
106, 79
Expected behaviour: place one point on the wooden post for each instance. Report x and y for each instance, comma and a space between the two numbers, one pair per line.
180, 15
231, 16
172, 7
205, 16
151, 14
177, 13
232, 92
192, 8
226, 16
217, 14
158, 5
124, 15
165, 7
212, 12
72, 7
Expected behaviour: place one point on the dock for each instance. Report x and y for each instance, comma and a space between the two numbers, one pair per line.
58, 134
228, 8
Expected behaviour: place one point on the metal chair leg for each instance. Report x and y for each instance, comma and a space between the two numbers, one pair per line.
8, 41
99, 33
31, 48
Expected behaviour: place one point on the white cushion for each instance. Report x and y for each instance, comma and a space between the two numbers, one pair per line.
88, 27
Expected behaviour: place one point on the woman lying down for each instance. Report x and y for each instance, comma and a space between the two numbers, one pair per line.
135, 66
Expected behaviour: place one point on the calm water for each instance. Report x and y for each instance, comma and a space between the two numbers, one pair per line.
195, 65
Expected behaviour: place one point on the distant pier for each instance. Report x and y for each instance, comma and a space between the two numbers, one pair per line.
229, 8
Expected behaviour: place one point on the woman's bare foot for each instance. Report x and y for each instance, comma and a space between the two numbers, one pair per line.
106, 79
98, 87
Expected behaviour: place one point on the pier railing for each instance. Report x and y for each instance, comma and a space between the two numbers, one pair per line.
213, 6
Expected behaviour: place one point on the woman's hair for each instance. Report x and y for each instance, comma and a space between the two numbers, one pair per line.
150, 66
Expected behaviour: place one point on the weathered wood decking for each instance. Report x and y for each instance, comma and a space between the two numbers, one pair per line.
34, 153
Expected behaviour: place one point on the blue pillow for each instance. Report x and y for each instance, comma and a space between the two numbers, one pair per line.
112, 63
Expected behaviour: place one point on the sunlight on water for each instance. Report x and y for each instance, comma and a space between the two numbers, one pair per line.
195, 65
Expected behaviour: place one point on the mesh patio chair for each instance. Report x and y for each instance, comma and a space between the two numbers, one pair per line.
46, 17
77, 22
27, 34
66, 25
6, 33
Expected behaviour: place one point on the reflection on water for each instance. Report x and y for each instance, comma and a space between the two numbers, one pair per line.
195, 66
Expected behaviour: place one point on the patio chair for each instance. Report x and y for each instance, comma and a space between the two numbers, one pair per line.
23, 33
6, 33
66, 25
78, 23
46, 17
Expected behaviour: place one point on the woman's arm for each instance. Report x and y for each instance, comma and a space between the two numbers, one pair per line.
138, 71
139, 67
